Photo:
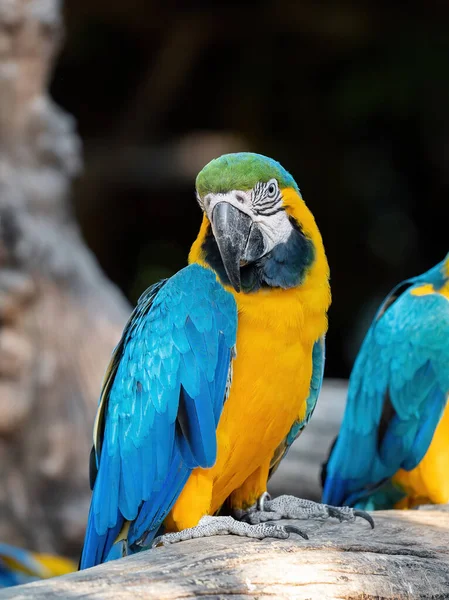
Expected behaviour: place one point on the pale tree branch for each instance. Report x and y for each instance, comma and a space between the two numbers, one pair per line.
404, 557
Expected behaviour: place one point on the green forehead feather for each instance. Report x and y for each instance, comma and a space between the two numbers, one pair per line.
241, 171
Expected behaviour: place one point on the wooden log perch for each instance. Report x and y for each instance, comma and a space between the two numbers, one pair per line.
405, 557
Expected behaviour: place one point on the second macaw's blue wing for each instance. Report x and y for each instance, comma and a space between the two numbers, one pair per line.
397, 393
161, 401
18, 566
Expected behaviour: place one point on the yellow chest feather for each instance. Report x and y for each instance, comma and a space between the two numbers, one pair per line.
270, 385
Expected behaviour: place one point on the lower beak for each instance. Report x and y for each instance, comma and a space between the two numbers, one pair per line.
231, 228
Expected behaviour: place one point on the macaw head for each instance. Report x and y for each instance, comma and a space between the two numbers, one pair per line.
446, 267
257, 231
437, 276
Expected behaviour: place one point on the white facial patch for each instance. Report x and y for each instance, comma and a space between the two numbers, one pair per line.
263, 204
276, 229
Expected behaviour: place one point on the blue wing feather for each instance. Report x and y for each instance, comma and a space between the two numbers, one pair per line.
162, 397
403, 361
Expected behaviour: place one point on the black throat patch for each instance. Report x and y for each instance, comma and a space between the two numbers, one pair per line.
284, 267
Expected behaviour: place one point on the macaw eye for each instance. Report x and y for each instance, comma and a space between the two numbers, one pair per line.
272, 190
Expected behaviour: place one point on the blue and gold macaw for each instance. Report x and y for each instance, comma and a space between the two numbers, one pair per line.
218, 370
392, 450
18, 566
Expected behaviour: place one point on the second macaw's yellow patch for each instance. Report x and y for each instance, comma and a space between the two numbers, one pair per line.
428, 482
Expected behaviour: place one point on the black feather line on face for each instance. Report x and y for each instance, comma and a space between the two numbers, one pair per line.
285, 266
263, 203
268, 212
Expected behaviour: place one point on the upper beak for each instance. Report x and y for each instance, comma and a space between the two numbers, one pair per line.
237, 238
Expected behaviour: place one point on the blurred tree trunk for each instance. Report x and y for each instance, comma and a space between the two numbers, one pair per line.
59, 316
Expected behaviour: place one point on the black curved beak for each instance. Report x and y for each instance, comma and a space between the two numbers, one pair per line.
231, 228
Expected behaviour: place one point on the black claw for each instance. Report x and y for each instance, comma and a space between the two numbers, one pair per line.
261, 501
293, 529
334, 511
366, 516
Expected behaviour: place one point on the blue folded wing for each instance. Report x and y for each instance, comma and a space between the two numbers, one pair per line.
162, 398
397, 393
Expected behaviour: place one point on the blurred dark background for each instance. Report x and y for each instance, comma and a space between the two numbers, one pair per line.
351, 97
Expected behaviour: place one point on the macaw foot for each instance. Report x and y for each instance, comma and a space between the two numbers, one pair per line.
209, 526
290, 507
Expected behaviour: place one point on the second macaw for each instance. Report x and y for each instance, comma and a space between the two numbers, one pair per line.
217, 372
392, 450
19, 566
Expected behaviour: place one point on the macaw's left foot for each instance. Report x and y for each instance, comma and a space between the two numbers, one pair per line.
209, 526
290, 507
